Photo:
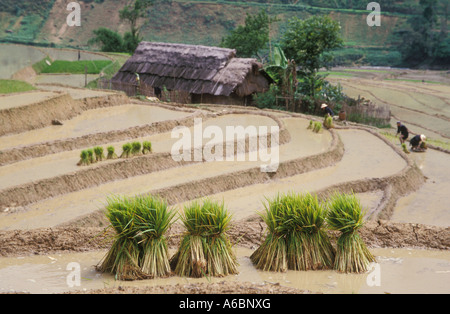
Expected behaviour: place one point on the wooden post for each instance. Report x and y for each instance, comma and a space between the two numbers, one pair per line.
85, 76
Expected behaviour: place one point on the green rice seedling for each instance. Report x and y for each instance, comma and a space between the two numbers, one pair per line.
272, 253
311, 125
153, 219
91, 156
423, 146
84, 159
205, 249
98, 151
308, 244
122, 260
126, 148
328, 122
405, 148
296, 238
111, 153
317, 127
136, 148
346, 215
146, 147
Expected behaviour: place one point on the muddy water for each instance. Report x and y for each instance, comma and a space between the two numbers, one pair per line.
429, 205
73, 80
70, 206
366, 156
94, 121
66, 162
24, 99
396, 271
76, 93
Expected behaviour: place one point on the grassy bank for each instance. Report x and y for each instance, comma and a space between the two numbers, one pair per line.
12, 86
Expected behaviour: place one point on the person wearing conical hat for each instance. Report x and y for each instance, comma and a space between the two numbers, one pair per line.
417, 142
327, 110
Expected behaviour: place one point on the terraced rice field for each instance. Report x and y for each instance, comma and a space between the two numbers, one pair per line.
52, 208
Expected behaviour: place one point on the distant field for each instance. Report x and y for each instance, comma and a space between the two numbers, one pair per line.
76, 67
12, 86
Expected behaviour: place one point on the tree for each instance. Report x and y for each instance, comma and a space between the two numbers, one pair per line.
309, 43
251, 38
109, 40
132, 14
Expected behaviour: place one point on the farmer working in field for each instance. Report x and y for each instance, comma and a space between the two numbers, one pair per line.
327, 110
418, 143
403, 131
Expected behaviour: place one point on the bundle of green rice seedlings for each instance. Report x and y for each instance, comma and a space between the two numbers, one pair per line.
328, 122
153, 219
311, 125
205, 249
111, 153
317, 127
136, 148
346, 215
405, 148
308, 244
99, 153
84, 159
424, 146
271, 255
122, 260
126, 150
91, 156
146, 147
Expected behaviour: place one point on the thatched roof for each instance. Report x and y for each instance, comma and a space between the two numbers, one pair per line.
194, 69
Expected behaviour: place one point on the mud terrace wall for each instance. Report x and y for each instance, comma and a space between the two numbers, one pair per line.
62, 107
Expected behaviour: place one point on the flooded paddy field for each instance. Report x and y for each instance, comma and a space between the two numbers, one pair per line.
51, 207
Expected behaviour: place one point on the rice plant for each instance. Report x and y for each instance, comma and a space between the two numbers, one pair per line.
317, 127
205, 249
311, 125
272, 253
296, 238
98, 151
139, 250
111, 153
84, 159
405, 148
328, 122
136, 148
346, 215
126, 150
146, 147
91, 156
122, 259
153, 219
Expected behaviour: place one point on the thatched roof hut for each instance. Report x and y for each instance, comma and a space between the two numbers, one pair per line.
198, 70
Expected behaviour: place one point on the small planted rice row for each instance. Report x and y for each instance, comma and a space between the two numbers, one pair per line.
96, 154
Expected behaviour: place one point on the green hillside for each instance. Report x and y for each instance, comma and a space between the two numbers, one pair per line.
207, 22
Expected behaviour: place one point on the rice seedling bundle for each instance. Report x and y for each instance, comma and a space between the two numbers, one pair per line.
122, 260
328, 122
317, 127
91, 156
153, 219
139, 250
111, 153
405, 148
346, 215
146, 147
99, 153
311, 125
272, 254
84, 159
296, 239
136, 148
205, 248
309, 246
126, 148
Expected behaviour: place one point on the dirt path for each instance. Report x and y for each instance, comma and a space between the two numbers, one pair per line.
24, 99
